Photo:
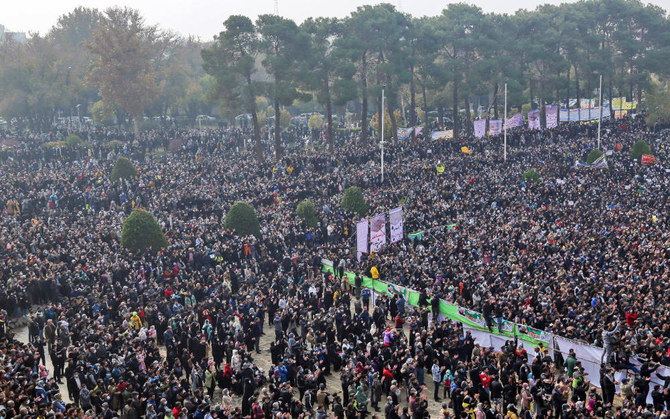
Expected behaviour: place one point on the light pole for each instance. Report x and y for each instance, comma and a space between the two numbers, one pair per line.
382, 132
505, 124
79, 115
600, 105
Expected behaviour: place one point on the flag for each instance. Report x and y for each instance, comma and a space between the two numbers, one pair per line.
466, 150
534, 119
480, 128
495, 127
648, 159
599, 163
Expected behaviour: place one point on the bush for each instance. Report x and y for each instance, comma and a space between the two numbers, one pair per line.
315, 122
353, 201
142, 233
123, 169
307, 213
531, 176
594, 155
639, 148
73, 140
242, 219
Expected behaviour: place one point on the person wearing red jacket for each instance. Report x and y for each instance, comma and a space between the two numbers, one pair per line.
631, 316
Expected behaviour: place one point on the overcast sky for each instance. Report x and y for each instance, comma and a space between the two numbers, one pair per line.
204, 18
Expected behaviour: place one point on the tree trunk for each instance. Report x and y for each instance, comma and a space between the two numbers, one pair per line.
251, 108
495, 101
136, 126
455, 110
468, 125
567, 95
278, 150
329, 118
412, 100
579, 102
394, 126
611, 93
364, 105
543, 114
425, 110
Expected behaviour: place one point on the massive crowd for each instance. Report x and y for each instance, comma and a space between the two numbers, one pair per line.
178, 334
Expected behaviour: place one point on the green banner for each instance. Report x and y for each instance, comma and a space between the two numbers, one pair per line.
469, 318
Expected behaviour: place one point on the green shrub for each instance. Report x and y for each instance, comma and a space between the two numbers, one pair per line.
307, 213
531, 176
594, 155
353, 201
639, 148
142, 233
242, 219
123, 169
73, 140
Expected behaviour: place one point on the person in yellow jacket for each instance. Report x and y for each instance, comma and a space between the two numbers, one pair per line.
135, 321
374, 272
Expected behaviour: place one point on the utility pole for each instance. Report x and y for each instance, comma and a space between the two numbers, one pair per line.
600, 117
382, 130
505, 124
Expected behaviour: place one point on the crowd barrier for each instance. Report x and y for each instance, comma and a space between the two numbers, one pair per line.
474, 322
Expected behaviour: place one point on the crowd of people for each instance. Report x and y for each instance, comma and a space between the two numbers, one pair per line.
184, 332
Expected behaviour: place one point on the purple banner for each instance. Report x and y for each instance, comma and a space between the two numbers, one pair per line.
395, 219
551, 112
534, 119
515, 121
480, 128
495, 127
361, 238
377, 232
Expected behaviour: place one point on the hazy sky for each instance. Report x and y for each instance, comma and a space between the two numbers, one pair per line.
204, 18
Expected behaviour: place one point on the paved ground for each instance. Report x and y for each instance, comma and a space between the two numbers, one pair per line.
262, 361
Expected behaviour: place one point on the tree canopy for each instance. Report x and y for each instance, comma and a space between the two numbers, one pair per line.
457, 61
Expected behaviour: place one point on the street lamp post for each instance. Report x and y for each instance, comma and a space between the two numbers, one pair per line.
505, 124
382, 132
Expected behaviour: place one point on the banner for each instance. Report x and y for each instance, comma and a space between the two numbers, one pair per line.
495, 127
515, 121
442, 135
551, 113
404, 133
361, 238
480, 128
532, 333
395, 219
648, 159
584, 115
620, 104
416, 235
599, 163
534, 119
417, 131
377, 232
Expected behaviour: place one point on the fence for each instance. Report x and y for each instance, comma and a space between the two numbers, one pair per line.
474, 322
